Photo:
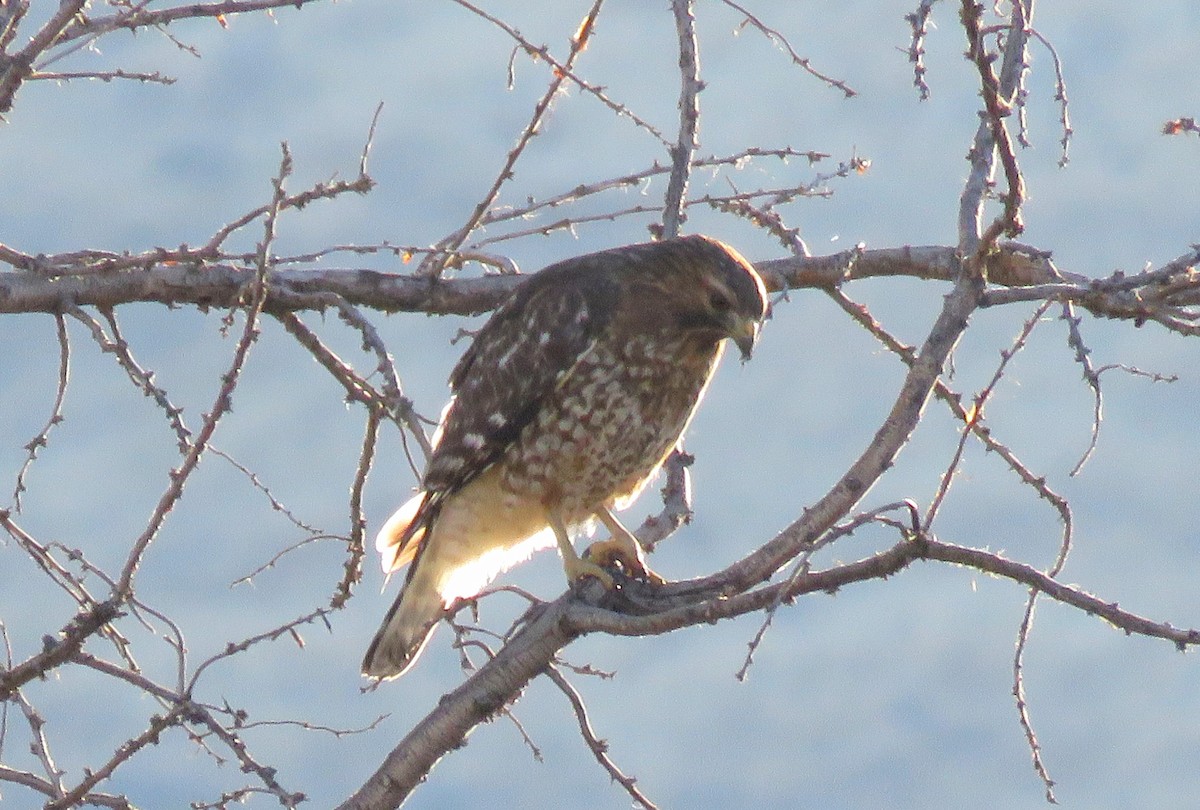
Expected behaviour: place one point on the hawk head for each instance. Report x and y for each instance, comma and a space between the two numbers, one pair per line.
717, 293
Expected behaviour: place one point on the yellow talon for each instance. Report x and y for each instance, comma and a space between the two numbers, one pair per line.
575, 566
579, 567
621, 547
609, 553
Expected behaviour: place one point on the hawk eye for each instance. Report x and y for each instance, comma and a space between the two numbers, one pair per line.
719, 301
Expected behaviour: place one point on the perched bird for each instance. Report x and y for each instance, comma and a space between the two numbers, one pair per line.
563, 408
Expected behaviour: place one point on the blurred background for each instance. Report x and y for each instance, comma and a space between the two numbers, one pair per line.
888, 694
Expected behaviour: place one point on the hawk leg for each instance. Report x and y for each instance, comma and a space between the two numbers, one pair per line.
573, 564
621, 547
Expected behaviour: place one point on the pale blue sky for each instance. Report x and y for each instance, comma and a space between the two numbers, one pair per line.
892, 694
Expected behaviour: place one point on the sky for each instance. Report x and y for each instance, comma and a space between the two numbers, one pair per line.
888, 694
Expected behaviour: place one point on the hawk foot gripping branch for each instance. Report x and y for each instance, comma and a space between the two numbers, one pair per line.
564, 407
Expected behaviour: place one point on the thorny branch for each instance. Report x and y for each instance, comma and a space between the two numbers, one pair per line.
598, 747
919, 20
689, 117
437, 259
983, 272
993, 141
1168, 295
69, 30
782, 42
56, 411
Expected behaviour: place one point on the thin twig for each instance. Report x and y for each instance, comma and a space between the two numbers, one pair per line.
597, 746
257, 295
434, 263
974, 415
275, 633
366, 150
1097, 411
103, 76
919, 20
247, 579
782, 43
542, 54
119, 348
358, 521
40, 746
56, 410
1060, 95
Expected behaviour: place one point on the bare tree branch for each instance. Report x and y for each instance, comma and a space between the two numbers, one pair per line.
435, 262
56, 411
689, 117
104, 598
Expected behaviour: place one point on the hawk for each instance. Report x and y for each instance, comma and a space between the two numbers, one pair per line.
564, 407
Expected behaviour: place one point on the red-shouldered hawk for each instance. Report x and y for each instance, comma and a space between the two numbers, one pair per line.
564, 407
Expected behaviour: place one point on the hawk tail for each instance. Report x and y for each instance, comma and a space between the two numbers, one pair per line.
415, 613
405, 630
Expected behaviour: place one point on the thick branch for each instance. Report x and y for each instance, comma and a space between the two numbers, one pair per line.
879, 455
668, 617
533, 649
58, 651
1167, 295
483, 695
165, 280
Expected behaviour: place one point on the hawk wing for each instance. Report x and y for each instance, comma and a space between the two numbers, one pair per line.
516, 360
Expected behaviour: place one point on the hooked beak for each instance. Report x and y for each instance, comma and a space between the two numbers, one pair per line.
744, 333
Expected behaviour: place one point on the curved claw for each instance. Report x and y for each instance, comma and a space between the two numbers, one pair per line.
622, 547
609, 553
621, 550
